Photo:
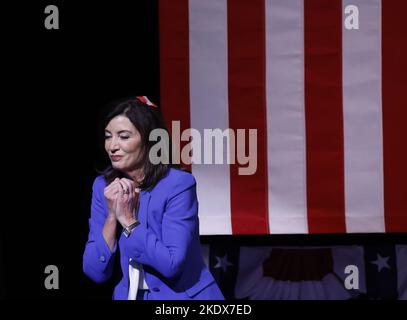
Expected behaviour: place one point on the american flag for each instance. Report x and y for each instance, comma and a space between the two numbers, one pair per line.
322, 82
309, 273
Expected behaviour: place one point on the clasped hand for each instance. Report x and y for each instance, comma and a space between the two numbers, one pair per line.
121, 196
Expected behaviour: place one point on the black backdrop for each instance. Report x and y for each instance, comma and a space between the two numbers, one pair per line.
57, 81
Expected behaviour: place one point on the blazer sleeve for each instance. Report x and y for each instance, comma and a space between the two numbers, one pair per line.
179, 225
98, 260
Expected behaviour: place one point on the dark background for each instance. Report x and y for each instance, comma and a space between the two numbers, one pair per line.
57, 81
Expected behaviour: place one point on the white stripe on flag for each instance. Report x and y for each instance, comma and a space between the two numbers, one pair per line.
362, 109
285, 116
209, 107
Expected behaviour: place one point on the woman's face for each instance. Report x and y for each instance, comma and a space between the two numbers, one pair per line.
123, 144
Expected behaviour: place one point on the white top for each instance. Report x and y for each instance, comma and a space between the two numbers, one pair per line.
137, 281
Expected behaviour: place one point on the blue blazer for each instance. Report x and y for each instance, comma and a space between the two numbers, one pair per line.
166, 242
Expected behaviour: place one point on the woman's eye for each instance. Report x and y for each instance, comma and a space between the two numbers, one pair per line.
124, 137
107, 137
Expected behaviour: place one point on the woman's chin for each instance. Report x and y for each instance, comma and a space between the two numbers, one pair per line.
122, 169
117, 166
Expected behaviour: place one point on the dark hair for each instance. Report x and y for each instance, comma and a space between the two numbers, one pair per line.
145, 118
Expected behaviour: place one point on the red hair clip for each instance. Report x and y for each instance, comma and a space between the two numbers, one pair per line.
145, 100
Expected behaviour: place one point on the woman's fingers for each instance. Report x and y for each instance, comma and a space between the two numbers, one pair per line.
112, 188
127, 180
112, 184
123, 187
116, 188
110, 193
129, 185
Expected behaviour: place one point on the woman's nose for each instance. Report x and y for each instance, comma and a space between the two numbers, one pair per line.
113, 147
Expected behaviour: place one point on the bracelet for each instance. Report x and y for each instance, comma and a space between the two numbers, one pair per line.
129, 229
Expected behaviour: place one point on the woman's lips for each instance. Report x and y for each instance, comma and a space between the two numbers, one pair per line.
116, 158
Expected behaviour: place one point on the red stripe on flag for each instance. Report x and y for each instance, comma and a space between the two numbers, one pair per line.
247, 109
174, 63
324, 117
394, 86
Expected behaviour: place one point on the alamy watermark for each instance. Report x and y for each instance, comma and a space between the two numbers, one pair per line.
214, 146
352, 280
52, 280
351, 17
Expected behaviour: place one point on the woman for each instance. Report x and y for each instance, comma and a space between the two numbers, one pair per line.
150, 211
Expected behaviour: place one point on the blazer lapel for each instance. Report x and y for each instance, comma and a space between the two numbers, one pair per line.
143, 210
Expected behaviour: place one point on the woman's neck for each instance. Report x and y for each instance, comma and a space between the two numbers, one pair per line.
136, 175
